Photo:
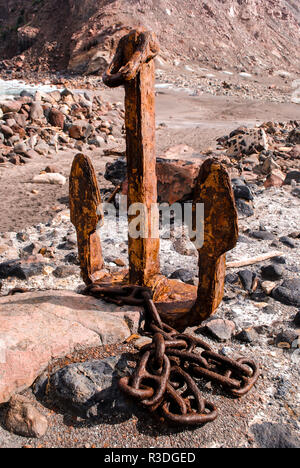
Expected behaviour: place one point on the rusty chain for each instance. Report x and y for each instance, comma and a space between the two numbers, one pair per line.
164, 378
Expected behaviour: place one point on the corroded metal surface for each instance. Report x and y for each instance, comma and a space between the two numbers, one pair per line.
87, 216
164, 380
133, 67
213, 189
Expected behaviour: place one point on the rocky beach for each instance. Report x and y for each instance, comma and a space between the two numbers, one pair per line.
62, 352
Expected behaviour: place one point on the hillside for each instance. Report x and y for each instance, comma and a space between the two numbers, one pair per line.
241, 34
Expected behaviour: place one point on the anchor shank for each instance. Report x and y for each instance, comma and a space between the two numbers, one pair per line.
142, 180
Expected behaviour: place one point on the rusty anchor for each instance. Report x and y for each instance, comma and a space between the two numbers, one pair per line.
179, 304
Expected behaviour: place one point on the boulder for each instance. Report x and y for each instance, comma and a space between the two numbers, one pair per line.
90, 389
40, 326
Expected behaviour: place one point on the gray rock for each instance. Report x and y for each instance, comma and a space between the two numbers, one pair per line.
22, 269
220, 329
91, 388
248, 335
262, 235
186, 276
24, 419
286, 339
288, 242
246, 277
297, 319
272, 272
292, 175
65, 271
269, 435
244, 208
286, 296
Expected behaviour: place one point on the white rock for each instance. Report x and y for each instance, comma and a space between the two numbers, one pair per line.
51, 178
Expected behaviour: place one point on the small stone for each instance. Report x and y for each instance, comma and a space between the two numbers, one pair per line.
262, 235
286, 296
288, 242
292, 175
56, 118
119, 262
242, 192
22, 269
220, 329
279, 260
65, 271
297, 319
258, 296
270, 435
286, 339
268, 287
246, 277
186, 276
272, 272
248, 335
232, 278
142, 341
24, 419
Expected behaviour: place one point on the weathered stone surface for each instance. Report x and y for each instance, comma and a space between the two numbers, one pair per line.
286, 296
24, 419
22, 269
269, 435
56, 118
91, 388
36, 327
220, 329
272, 272
10, 106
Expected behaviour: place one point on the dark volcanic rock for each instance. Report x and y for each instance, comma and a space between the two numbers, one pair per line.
286, 296
242, 191
186, 276
286, 339
247, 335
244, 208
292, 175
91, 388
247, 278
297, 319
22, 269
272, 272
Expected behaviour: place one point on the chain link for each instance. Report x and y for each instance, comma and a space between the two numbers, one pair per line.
164, 378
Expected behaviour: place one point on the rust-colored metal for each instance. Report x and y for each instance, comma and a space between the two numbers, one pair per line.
179, 304
133, 67
87, 216
213, 189
164, 378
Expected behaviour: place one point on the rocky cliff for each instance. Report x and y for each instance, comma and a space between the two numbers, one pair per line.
81, 34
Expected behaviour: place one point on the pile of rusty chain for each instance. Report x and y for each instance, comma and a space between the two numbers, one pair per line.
164, 378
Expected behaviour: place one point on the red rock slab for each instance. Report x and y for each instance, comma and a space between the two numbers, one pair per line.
38, 327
